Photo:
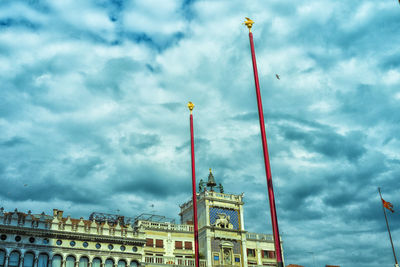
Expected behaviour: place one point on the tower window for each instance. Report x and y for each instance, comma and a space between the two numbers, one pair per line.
149, 242
188, 245
178, 245
159, 243
251, 252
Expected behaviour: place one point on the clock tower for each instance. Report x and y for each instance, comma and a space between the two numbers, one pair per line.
222, 238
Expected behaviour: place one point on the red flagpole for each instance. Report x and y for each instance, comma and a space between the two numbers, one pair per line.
274, 218
196, 229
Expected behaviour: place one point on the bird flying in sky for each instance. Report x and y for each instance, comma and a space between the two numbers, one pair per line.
277, 76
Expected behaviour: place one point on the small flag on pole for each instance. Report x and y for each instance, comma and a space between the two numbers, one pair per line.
387, 205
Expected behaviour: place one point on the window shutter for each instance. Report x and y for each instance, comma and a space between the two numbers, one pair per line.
188, 245
262, 253
149, 242
159, 243
178, 244
271, 254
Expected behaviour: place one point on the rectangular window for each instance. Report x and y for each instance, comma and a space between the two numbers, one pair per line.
178, 245
149, 242
271, 254
188, 245
159, 243
251, 252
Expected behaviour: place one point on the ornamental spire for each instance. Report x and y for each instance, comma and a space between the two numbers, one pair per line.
190, 106
211, 181
249, 23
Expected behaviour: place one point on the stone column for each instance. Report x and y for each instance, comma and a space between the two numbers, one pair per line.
259, 260
209, 255
6, 260
241, 217
244, 250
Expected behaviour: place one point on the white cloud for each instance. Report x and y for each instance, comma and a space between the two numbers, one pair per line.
99, 93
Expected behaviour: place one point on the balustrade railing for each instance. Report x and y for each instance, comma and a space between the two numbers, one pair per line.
155, 261
166, 226
261, 237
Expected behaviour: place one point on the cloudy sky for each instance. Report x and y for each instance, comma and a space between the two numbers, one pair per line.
93, 113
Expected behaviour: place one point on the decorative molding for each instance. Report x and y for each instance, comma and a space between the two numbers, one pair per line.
71, 235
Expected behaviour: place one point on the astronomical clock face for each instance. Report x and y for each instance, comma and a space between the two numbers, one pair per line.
224, 218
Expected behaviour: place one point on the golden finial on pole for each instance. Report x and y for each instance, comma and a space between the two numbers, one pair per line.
249, 23
210, 170
190, 106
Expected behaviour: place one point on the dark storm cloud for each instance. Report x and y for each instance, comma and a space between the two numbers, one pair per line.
361, 103
327, 143
391, 62
342, 197
6, 23
138, 143
159, 43
38, 5
49, 188
246, 116
149, 180
201, 144
15, 141
114, 8
83, 167
173, 106
108, 80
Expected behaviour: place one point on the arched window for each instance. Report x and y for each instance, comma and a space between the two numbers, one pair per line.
2, 257
70, 262
83, 262
109, 263
13, 261
28, 259
56, 262
96, 262
121, 263
134, 264
43, 260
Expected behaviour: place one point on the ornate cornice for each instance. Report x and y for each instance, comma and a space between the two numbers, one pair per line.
7, 229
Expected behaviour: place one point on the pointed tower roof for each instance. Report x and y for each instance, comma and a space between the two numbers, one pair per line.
211, 181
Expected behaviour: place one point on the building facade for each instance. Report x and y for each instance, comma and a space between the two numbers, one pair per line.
40, 240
